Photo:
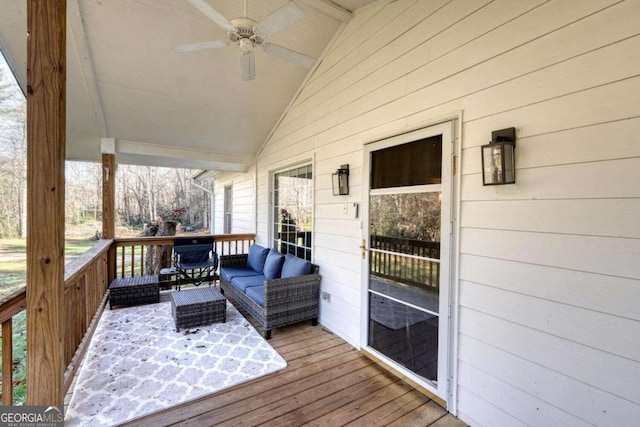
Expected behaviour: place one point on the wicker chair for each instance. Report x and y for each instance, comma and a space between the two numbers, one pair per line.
286, 301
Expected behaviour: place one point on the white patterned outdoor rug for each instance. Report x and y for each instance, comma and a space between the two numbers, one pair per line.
137, 363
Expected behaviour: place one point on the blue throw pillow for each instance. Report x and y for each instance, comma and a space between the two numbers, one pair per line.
257, 257
294, 266
273, 265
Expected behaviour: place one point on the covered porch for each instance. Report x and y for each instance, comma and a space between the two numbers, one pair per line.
326, 381
528, 278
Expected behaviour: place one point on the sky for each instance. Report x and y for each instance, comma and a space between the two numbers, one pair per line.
7, 77
6, 72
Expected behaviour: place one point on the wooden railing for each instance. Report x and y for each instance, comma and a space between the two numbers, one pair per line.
85, 293
10, 306
402, 260
131, 253
85, 290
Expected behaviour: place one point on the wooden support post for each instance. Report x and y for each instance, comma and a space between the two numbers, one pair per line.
108, 195
46, 120
109, 200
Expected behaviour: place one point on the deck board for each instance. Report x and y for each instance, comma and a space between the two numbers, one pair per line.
425, 415
393, 410
326, 382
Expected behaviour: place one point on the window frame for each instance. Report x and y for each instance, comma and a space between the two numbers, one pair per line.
273, 237
227, 210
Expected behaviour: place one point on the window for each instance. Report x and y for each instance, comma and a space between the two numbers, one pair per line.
228, 202
292, 212
413, 163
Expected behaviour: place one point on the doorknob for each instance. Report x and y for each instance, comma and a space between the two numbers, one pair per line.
363, 248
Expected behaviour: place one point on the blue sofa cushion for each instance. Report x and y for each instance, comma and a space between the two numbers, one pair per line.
294, 266
273, 265
242, 283
229, 273
257, 257
256, 293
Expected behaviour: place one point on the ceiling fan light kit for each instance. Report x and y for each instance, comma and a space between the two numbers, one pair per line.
247, 34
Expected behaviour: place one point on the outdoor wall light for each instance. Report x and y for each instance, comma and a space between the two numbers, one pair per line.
498, 158
341, 181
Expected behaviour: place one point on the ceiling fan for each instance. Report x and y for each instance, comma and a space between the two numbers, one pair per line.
247, 34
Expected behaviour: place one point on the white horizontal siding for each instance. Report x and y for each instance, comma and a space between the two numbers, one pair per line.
243, 204
602, 104
542, 384
596, 180
477, 411
388, 100
580, 217
605, 141
549, 271
596, 292
597, 368
526, 408
575, 324
603, 255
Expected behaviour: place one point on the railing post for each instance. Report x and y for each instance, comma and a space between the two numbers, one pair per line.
7, 362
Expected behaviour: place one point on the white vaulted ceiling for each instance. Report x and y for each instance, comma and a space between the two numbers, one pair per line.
125, 81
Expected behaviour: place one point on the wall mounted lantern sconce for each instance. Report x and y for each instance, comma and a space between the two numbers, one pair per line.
498, 158
341, 181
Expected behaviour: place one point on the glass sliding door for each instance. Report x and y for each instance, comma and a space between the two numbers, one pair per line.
408, 253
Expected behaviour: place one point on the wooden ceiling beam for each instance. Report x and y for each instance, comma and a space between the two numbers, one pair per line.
180, 156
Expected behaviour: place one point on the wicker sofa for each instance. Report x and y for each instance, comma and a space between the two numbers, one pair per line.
266, 284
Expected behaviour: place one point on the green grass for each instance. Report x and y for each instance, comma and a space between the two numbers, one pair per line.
19, 358
407, 271
12, 277
77, 247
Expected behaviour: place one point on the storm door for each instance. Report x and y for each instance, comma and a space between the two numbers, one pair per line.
408, 250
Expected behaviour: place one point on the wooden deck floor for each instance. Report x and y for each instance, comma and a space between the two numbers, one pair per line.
326, 383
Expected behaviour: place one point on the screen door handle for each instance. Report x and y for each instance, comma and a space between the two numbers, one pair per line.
363, 248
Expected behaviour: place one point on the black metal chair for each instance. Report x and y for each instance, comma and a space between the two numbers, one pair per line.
195, 260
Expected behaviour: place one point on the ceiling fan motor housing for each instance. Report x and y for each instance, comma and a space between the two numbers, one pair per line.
244, 33
246, 44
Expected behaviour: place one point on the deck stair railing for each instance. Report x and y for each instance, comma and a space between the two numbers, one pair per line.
85, 294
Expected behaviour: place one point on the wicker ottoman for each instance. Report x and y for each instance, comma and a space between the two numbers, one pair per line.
197, 307
134, 290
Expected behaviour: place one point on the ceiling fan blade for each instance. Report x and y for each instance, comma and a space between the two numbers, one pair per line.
201, 46
281, 18
247, 66
288, 55
212, 14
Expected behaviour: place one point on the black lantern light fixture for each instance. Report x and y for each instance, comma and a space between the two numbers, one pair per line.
341, 181
498, 158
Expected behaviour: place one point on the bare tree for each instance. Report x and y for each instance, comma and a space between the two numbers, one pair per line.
12, 158
143, 192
